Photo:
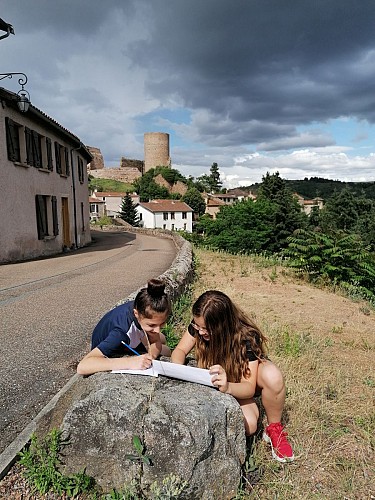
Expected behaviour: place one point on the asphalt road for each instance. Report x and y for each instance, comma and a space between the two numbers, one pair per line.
49, 307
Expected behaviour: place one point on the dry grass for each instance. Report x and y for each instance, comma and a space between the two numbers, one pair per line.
324, 344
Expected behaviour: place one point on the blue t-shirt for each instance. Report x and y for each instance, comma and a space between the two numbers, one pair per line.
117, 325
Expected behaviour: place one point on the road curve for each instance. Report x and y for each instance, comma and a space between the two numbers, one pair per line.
49, 307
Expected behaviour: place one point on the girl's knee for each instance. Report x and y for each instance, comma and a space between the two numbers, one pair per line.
250, 415
270, 376
251, 424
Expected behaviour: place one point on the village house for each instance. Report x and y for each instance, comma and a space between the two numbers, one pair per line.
45, 207
166, 214
112, 203
214, 202
307, 205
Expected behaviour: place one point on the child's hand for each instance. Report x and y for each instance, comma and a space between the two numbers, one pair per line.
139, 362
219, 378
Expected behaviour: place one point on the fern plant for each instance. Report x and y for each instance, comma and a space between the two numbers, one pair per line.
339, 257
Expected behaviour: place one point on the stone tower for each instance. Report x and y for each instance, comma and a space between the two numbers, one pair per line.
156, 148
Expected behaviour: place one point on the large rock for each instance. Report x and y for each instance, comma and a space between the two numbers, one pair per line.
190, 430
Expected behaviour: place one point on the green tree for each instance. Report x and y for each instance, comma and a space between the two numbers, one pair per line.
128, 211
245, 227
195, 200
214, 176
211, 183
147, 188
288, 215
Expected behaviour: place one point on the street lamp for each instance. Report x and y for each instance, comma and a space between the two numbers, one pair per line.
23, 101
8, 28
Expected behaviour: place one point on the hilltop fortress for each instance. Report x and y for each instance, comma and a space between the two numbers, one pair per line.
156, 153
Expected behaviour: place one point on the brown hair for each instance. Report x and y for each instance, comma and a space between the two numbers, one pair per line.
152, 299
230, 330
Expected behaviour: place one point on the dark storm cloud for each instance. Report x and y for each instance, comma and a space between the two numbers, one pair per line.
83, 17
285, 61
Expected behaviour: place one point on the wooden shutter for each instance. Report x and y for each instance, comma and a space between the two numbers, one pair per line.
67, 167
49, 154
54, 216
37, 153
58, 157
29, 146
41, 216
13, 146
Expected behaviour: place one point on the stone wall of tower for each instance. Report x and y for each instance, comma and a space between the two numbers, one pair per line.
156, 150
97, 163
128, 163
119, 174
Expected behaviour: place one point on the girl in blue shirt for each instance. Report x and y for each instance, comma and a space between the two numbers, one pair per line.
137, 324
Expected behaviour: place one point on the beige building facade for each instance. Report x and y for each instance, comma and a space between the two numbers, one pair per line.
43, 174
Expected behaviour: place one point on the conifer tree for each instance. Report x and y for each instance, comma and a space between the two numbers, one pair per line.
128, 211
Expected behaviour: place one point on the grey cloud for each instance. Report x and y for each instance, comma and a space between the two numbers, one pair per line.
286, 61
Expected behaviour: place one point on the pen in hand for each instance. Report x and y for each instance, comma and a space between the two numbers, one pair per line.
130, 348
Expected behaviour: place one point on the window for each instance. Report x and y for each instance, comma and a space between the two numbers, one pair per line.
172, 215
184, 215
94, 208
164, 226
140, 216
185, 226
13, 140
62, 159
46, 216
172, 227
165, 215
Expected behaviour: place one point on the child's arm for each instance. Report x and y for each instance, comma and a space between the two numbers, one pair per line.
240, 390
95, 361
157, 344
183, 348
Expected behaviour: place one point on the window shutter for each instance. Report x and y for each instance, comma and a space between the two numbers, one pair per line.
54, 216
11, 147
58, 157
29, 147
49, 154
36, 149
67, 170
39, 215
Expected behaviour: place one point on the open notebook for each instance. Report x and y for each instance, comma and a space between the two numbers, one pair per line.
173, 370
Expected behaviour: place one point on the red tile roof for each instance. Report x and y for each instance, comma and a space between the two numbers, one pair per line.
166, 206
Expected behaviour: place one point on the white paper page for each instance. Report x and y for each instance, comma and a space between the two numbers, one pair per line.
182, 372
151, 372
173, 370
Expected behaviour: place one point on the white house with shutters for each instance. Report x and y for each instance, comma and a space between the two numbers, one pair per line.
43, 176
174, 215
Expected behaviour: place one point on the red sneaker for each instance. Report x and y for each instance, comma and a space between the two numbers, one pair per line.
281, 449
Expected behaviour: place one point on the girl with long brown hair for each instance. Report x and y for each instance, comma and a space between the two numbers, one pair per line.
232, 347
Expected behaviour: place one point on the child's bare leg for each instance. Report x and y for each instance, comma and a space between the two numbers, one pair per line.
271, 383
250, 415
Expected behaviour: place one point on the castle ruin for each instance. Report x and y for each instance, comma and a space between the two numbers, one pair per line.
156, 153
